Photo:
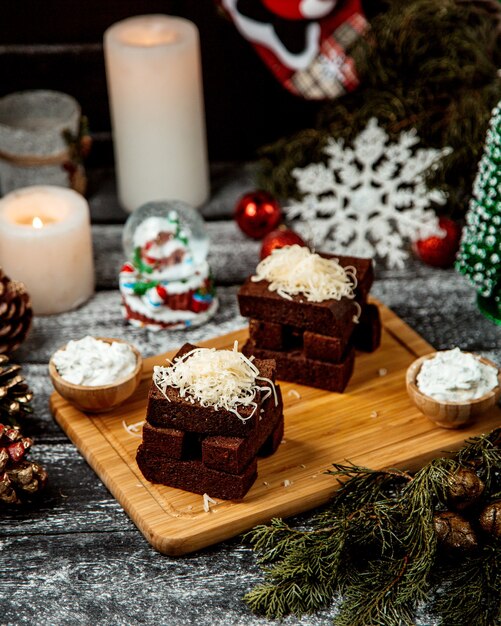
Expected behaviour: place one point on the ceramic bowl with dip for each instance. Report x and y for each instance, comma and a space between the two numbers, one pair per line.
96, 374
453, 387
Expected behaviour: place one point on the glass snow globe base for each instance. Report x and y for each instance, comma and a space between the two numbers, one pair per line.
491, 307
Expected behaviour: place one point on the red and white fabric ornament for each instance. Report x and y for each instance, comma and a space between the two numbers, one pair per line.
303, 42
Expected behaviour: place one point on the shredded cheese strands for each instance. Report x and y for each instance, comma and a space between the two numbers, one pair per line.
133, 429
222, 379
207, 502
294, 270
356, 317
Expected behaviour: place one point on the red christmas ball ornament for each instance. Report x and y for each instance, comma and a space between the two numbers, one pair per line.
279, 238
440, 251
257, 213
300, 9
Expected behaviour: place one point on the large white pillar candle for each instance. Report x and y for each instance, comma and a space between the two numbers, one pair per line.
156, 100
46, 242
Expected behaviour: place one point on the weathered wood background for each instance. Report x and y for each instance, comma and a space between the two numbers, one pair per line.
57, 44
77, 558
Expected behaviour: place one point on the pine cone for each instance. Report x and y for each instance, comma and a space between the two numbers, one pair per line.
20, 479
15, 394
464, 489
490, 519
454, 532
15, 314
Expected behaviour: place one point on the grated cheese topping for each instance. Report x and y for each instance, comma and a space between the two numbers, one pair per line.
207, 502
222, 379
294, 270
133, 429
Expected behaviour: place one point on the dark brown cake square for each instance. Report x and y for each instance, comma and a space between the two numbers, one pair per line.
275, 336
176, 444
367, 334
324, 348
270, 446
267, 334
232, 454
181, 414
193, 476
294, 366
330, 317
169, 440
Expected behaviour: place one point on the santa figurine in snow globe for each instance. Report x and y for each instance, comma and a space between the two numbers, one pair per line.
166, 282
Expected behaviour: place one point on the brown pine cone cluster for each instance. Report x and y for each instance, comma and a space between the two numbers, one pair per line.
462, 527
15, 313
20, 479
15, 395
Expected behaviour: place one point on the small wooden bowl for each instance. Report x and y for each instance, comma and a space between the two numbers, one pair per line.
450, 414
101, 398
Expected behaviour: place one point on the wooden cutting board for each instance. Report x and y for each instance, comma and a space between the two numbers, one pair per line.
373, 423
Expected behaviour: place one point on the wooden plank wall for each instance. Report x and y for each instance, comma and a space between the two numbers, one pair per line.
56, 44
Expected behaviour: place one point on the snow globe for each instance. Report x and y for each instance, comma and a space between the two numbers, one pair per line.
166, 281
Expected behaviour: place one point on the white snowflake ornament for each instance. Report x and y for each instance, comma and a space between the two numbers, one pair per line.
370, 199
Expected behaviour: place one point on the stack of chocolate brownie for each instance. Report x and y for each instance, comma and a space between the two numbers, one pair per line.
313, 343
203, 450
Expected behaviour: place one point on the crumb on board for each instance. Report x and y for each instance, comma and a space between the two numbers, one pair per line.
294, 394
374, 414
283, 441
382, 371
265, 483
287, 482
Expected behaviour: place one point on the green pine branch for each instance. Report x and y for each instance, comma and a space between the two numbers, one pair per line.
426, 65
471, 594
375, 546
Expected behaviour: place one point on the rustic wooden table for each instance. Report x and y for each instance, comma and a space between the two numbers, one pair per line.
77, 558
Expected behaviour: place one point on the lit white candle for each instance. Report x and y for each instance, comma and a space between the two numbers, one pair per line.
46, 242
156, 100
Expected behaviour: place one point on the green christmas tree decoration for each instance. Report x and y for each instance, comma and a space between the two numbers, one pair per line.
480, 253
390, 540
426, 65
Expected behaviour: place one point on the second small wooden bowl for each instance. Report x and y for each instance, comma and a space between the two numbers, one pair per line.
450, 414
101, 398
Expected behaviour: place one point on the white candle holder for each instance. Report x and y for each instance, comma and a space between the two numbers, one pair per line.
156, 100
36, 131
46, 242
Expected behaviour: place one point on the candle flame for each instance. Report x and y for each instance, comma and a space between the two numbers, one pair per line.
37, 223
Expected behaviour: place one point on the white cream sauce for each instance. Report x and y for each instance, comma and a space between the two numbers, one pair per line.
93, 362
456, 376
